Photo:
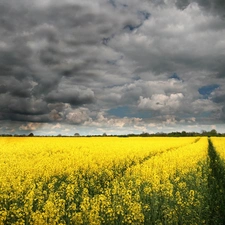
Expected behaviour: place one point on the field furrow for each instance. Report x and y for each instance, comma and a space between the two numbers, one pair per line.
216, 181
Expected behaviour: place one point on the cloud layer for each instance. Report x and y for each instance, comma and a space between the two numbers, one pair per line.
113, 66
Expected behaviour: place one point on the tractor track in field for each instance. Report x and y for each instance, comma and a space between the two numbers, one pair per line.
118, 172
151, 155
216, 185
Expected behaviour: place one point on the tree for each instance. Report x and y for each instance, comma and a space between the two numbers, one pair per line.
213, 132
76, 134
31, 135
144, 134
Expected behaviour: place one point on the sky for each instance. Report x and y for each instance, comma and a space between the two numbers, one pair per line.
113, 66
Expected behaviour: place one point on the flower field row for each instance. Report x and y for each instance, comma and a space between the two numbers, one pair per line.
219, 145
104, 181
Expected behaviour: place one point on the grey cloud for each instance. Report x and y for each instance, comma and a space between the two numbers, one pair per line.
158, 2
50, 57
46, 31
223, 113
78, 116
217, 7
219, 98
55, 115
130, 93
178, 45
21, 117
221, 70
182, 4
204, 105
24, 106
14, 59
59, 106
71, 94
28, 106
22, 88
3, 88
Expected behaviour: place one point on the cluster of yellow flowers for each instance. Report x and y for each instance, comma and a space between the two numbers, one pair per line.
219, 144
106, 180
173, 182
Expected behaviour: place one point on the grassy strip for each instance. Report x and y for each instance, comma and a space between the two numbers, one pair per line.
216, 182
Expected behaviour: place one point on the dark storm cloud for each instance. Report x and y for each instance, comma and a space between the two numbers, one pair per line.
17, 88
221, 71
3, 88
218, 96
223, 113
14, 59
27, 106
73, 95
11, 105
46, 45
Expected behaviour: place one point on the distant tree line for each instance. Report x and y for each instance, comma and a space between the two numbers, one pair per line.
17, 135
210, 133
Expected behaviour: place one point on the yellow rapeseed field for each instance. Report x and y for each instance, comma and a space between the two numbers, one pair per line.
107, 180
219, 144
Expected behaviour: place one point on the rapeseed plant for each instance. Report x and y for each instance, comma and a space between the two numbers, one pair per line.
104, 180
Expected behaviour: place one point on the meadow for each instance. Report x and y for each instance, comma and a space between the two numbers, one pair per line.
111, 180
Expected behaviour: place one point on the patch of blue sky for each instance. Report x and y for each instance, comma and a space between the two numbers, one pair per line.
175, 76
120, 111
144, 15
205, 91
117, 4
136, 77
112, 62
113, 3
206, 114
131, 27
105, 41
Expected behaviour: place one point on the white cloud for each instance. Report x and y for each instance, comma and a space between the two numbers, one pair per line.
30, 126
57, 126
161, 102
105, 121
78, 116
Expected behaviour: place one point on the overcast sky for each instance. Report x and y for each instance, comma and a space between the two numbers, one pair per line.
114, 66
